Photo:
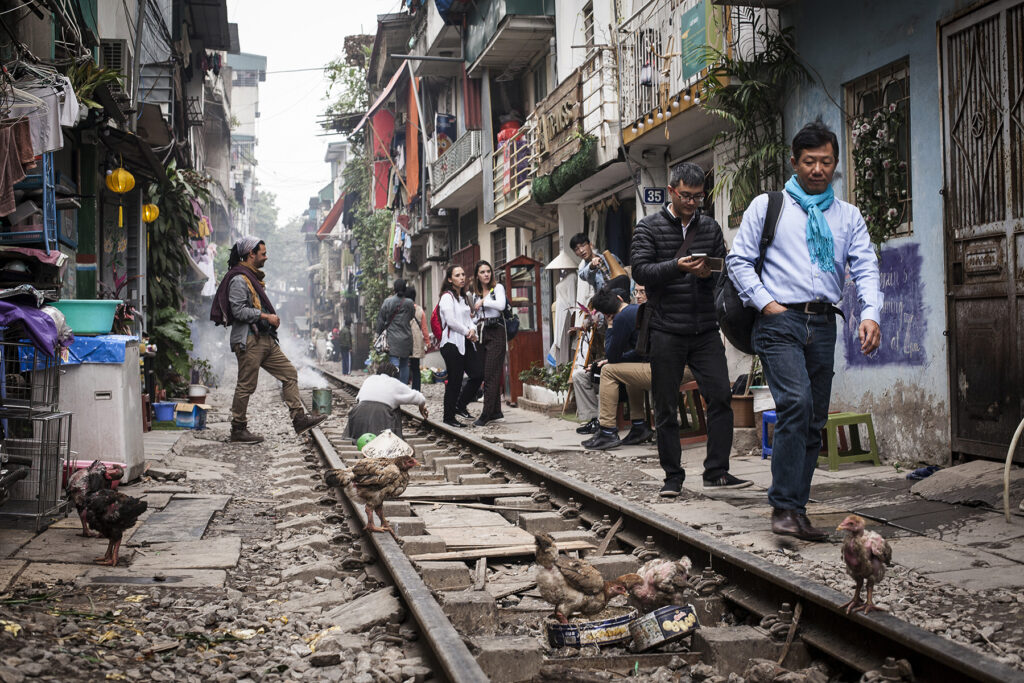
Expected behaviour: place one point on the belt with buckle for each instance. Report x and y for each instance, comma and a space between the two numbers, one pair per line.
814, 308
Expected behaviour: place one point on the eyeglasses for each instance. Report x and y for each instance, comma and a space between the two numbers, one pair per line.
687, 197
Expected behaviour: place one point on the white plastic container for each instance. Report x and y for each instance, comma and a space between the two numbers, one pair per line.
106, 400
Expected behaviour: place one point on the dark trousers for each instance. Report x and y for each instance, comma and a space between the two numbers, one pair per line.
494, 365
414, 373
455, 395
797, 352
346, 360
474, 369
705, 355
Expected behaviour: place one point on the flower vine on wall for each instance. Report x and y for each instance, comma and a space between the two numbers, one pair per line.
880, 176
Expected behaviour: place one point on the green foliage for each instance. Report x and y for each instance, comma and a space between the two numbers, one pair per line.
555, 379
167, 265
346, 83
171, 332
576, 168
87, 76
749, 93
880, 177
202, 372
370, 231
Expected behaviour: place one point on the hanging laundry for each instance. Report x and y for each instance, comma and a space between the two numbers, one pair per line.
44, 122
11, 170
23, 141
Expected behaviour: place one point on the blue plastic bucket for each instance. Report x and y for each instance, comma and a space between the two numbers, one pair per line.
164, 411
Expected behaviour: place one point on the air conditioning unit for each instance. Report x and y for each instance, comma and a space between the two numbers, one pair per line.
437, 247
114, 55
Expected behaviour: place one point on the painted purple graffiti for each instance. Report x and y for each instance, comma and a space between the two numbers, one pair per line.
903, 320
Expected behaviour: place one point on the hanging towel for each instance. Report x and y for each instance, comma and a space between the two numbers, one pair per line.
11, 170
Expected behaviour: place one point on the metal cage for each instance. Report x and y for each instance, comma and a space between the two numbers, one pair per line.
46, 441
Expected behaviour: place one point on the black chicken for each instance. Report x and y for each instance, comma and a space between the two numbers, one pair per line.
112, 513
83, 483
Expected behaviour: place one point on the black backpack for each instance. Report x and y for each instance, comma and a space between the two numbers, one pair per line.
735, 319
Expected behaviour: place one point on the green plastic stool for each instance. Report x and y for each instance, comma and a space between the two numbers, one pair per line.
856, 452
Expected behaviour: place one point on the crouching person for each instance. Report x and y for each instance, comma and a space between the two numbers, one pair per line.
622, 366
378, 402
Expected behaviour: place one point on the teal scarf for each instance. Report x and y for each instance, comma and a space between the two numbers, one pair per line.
819, 235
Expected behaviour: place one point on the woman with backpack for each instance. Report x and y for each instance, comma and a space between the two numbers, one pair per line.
395, 314
489, 304
420, 338
458, 343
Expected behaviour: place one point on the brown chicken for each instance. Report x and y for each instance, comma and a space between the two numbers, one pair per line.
662, 582
574, 586
372, 481
112, 513
866, 555
82, 483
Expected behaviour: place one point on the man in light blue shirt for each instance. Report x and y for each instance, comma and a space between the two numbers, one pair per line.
816, 239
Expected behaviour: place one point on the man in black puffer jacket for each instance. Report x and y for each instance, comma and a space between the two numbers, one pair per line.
683, 325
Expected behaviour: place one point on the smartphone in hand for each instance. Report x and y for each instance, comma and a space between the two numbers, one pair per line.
716, 265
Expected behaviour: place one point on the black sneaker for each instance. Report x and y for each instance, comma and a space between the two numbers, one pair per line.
671, 489
463, 413
727, 481
604, 442
454, 423
588, 428
638, 434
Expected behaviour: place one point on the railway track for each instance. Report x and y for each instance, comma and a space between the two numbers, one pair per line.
741, 588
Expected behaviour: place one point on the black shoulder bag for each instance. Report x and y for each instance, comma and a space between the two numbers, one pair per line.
645, 311
735, 319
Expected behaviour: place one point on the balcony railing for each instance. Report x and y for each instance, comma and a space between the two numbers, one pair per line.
511, 163
663, 53
457, 157
600, 96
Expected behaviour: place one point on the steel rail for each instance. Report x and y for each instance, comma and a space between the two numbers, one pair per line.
451, 652
860, 641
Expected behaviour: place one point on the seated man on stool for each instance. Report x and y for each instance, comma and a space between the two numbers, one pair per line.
622, 366
585, 384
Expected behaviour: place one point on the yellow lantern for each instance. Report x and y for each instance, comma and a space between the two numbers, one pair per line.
150, 212
120, 181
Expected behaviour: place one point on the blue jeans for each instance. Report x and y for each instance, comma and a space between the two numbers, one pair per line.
346, 360
797, 352
403, 368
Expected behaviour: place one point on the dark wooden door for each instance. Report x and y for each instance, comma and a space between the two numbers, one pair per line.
522, 284
982, 86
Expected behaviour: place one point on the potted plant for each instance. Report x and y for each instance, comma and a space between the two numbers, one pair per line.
743, 404
202, 378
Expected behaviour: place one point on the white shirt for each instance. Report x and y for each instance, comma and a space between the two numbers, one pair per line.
456, 321
494, 303
390, 391
688, 224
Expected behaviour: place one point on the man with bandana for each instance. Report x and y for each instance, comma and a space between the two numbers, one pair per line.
241, 302
817, 238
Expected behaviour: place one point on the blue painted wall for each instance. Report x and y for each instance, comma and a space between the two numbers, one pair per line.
907, 393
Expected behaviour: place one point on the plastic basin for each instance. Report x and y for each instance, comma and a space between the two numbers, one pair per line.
88, 316
164, 411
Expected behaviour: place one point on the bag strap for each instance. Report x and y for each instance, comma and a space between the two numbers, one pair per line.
691, 234
771, 222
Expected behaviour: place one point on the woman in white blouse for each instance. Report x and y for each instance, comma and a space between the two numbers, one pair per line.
458, 343
489, 303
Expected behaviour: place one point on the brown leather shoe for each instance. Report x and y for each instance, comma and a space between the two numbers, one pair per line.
303, 423
784, 523
808, 532
793, 523
243, 435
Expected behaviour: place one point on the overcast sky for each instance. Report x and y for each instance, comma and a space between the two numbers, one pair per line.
301, 34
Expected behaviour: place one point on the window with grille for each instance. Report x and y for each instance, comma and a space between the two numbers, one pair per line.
878, 146
114, 55
499, 248
588, 25
540, 80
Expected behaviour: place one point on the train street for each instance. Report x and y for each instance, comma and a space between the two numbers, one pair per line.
246, 566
